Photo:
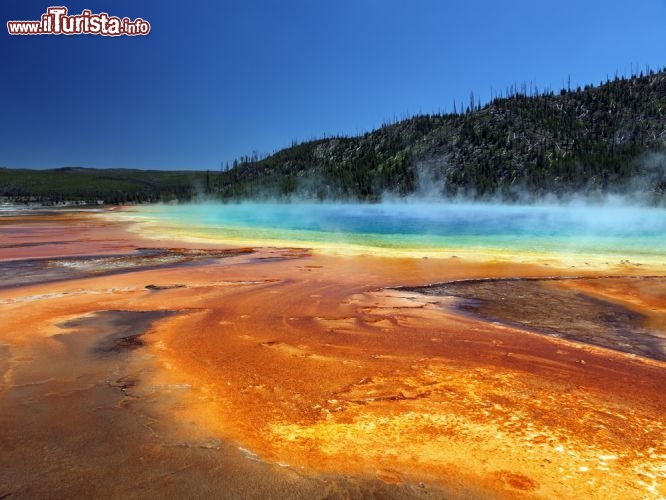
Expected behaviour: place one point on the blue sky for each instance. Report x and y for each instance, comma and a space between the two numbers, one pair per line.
218, 79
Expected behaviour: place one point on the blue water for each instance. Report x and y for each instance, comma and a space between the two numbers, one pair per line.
610, 230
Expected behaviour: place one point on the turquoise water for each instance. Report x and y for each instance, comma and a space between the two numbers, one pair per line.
607, 230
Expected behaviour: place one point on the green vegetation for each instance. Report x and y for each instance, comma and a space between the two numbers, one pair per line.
591, 140
605, 139
90, 185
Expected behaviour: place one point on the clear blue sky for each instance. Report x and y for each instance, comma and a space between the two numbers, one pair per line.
218, 79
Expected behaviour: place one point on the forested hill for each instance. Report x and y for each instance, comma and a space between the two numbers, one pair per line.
91, 185
608, 138
605, 139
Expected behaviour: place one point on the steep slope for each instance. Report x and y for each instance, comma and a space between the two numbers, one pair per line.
596, 139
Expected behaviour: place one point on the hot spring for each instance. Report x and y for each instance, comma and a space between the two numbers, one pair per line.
612, 233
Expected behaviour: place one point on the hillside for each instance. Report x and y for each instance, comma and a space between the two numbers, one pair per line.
605, 139
596, 139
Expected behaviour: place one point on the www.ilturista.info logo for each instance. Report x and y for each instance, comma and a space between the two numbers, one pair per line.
56, 22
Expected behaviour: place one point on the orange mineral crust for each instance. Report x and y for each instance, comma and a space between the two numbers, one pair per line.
330, 378
331, 373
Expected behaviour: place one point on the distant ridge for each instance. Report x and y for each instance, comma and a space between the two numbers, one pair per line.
91, 185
